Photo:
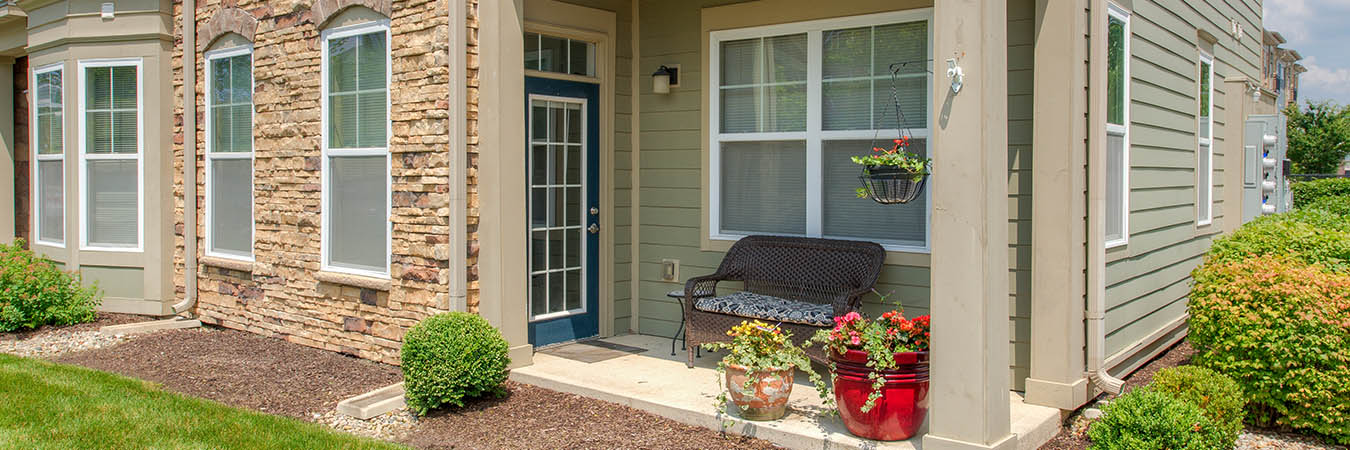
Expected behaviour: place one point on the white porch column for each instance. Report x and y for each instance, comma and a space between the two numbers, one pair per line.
7, 175
502, 276
969, 294
1059, 209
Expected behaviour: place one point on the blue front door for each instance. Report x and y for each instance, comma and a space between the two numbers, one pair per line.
562, 175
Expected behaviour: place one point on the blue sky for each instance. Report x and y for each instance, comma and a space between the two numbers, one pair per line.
1320, 31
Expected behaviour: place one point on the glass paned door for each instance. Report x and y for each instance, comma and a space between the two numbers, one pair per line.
563, 209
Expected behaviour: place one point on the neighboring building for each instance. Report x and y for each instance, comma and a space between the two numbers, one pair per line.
530, 172
1280, 69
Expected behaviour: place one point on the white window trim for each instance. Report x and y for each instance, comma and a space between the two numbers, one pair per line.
581, 208
1204, 213
35, 181
327, 153
139, 157
211, 157
814, 136
1122, 130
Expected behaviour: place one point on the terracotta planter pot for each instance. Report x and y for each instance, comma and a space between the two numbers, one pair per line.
903, 405
767, 397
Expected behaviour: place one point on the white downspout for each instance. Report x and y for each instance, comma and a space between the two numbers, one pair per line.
189, 12
459, 157
1096, 253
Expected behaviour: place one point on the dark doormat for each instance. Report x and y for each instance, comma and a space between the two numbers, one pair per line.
592, 351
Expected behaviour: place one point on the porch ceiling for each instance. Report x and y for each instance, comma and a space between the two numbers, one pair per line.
658, 382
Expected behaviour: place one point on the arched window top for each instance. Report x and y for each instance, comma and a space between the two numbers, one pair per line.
328, 13
226, 22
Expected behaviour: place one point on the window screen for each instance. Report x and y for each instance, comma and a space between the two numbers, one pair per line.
49, 143
230, 181
357, 169
111, 147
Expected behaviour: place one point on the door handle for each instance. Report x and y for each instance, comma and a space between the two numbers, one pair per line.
593, 228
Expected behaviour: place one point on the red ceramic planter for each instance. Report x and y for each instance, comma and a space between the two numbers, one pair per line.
903, 405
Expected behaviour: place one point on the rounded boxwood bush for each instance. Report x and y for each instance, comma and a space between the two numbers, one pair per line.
33, 292
1336, 205
1218, 396
451, 357
1307, 192
1280, 327
1147, 419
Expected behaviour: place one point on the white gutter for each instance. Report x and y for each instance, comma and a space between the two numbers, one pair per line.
189, 159
1096, 269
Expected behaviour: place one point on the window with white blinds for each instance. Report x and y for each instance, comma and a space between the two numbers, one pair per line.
1117, 151
1204, 151
110, 127
792, 103
356, 150
229, 153
49, 143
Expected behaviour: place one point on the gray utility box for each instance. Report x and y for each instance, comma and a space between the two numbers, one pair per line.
1265, 183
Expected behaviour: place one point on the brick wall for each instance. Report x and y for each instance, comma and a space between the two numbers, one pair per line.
22, 171
280, 296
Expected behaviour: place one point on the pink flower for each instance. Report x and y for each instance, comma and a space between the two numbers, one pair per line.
856, 340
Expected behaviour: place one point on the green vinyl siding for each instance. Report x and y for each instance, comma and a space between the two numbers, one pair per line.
1148, 279
670, 187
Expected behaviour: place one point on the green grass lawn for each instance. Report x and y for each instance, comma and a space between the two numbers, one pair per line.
47, 405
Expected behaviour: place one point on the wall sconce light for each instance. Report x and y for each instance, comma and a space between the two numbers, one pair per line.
956, 75
665, 78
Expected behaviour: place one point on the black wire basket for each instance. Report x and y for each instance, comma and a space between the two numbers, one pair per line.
889, 185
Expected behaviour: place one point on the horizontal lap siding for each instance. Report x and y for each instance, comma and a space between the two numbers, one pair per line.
671, 188
1148, 279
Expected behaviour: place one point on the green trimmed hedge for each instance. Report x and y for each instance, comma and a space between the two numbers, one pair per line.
1148, 419
1305, 235
451, 357
1218, 396
1307, 192
1280, 327
33, 292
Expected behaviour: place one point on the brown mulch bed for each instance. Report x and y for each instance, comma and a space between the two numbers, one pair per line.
251, 371
104, 319
1073, 436
533, 417
242, 369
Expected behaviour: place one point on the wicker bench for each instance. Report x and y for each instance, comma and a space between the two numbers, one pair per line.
801, 283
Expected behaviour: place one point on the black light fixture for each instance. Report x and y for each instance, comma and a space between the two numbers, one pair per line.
664, 78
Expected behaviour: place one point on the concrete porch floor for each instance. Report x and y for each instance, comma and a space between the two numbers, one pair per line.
656, 382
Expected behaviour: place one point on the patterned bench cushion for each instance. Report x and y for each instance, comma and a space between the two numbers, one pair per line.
768, 308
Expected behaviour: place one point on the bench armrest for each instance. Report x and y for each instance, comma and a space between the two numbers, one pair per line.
849, 301
699, 287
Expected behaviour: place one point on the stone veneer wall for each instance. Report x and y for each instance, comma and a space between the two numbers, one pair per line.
22, 181
471, 118
279, 295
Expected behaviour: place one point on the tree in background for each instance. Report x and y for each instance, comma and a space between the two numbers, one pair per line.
1319, 136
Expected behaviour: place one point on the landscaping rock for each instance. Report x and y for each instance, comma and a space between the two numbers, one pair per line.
389, 426
1263, 439
55, 343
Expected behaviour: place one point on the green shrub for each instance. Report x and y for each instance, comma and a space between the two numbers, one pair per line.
1218, 396
1302, 235
1146, 419
1337, 205
33, 292
1281, 329
1306, 192
451, 357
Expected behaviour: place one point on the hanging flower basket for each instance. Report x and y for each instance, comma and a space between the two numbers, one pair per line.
889, 185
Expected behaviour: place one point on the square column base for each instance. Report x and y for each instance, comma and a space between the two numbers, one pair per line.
1066, 396
931, 442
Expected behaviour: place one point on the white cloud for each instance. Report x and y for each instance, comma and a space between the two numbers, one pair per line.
1327, 80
